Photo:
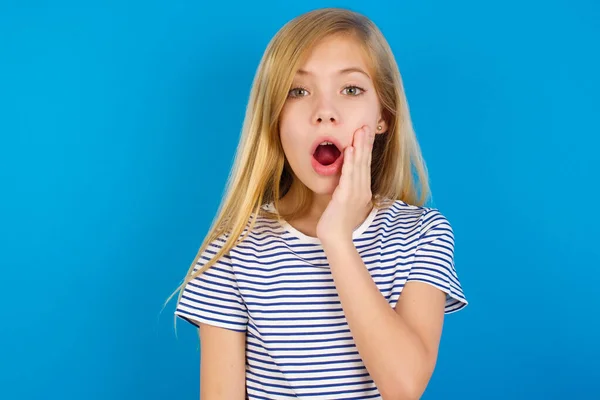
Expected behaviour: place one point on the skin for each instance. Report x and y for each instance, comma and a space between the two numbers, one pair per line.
329, 96
399, 346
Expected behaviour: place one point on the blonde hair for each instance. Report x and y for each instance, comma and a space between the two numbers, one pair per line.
260, 173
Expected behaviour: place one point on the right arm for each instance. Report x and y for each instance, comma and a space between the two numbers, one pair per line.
222, 363
213, 303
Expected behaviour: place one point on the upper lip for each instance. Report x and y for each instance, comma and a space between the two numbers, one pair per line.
322, 139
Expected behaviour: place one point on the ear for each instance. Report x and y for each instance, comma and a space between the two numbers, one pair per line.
383, 124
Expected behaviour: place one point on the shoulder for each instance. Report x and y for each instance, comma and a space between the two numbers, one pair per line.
431, 244
434, 222
260, 234
412, 220
256, 228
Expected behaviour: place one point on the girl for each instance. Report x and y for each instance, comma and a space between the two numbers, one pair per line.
324, 276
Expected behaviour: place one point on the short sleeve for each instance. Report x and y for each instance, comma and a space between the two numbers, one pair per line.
214, 297
434, 259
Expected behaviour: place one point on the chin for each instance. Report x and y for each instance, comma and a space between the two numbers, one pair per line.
323, 185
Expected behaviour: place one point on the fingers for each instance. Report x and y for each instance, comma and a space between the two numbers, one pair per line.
348, 166
369, 156
369, 138
356, 171
363, 144
359, 143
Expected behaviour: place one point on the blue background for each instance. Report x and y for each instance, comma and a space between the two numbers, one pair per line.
119, 122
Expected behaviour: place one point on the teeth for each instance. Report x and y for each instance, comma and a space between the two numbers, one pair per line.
325, 143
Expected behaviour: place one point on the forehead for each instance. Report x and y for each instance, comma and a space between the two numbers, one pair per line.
333, 54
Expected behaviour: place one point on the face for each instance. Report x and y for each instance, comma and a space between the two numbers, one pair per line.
332, 95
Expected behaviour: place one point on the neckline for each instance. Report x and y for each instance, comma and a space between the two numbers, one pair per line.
357, 233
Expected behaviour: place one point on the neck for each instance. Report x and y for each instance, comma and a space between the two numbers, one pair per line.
316, 208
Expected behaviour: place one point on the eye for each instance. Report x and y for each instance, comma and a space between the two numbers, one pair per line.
353, 90
298, 92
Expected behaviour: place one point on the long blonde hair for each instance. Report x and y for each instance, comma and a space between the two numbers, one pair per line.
260, 173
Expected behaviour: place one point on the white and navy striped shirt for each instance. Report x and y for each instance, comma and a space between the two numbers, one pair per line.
276, 287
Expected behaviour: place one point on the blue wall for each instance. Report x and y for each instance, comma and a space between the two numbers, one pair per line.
119, 123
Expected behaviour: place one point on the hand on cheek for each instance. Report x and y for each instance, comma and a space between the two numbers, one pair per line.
353, 192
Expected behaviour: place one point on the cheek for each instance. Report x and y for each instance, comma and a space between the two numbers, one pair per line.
289, 135
361, 113
289, 126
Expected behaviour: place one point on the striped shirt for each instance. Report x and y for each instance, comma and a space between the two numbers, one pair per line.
276, 287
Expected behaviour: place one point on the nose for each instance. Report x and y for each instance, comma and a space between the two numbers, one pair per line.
325, 112
325, 118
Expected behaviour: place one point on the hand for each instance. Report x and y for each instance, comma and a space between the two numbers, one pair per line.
353, 193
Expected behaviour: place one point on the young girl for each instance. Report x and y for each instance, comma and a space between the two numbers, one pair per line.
323, 275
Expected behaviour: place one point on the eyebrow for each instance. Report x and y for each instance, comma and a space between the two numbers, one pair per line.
340, 72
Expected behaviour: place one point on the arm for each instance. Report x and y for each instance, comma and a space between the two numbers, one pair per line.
398, 346
222, 363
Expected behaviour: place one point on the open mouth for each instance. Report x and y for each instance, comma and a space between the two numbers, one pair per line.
326, 153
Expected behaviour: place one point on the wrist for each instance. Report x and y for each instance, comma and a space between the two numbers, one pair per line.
337, 243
